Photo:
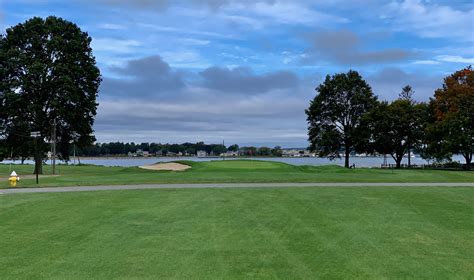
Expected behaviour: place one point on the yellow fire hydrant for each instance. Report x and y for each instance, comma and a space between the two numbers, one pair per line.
13, 179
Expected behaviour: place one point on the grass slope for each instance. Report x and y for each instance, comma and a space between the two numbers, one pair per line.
230, 171
335, 233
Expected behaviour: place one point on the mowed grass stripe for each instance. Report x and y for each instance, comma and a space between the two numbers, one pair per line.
367, 233
230, 171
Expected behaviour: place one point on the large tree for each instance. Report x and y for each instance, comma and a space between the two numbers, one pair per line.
397, 127
335, 115
452, 117
48, 79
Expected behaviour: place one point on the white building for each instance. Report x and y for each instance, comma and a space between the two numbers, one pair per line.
201, 153
230, 154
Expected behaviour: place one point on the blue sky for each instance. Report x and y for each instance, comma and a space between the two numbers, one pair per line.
244, 71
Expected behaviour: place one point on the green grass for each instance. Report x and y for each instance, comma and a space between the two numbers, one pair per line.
310, 233
229, 172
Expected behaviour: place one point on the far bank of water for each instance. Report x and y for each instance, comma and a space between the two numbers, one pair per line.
358, 161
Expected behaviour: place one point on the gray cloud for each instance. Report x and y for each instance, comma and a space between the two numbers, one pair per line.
145, 77
344, 47
388, 83
243, 80
147, 104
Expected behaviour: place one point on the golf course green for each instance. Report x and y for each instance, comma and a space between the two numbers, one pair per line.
230, 171
289, 233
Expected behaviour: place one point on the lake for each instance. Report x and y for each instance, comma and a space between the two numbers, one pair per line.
358, 161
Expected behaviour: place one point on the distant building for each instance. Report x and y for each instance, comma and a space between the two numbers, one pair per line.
308, 153
201, 153
297, 153
230, 154
142, 153
291, 153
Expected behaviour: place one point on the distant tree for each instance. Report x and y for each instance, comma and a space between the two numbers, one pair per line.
452, 116
264, 151
335, 114
397, 127
406, 93
277, 151
218, 149
249, 151
233, 148
48, 73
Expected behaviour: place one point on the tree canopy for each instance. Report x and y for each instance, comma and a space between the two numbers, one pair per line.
335, 115
396, 127
48, 76
451, 130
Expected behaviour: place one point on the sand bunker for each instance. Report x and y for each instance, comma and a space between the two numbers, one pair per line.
171, 166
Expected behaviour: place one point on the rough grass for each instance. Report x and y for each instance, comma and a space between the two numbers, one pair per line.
311, 233
230, 171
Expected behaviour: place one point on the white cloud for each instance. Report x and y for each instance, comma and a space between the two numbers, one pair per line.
426, 62
188, 31
259, 14
114, 45
196, 42
185, 59
455, 59
431, 20
112, 26
293, 13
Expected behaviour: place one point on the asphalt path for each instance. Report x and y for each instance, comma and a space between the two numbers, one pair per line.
222, 185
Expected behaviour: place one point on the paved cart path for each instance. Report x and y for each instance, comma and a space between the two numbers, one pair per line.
224, 185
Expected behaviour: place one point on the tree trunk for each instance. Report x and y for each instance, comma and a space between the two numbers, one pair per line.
346, 161
398, 160
38, 164
468, 158
409, 156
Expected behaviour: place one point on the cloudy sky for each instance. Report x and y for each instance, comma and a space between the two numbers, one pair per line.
244, 71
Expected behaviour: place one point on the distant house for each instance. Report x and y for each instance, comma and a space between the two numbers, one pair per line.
142, 153
230, 154
308, 153
201, 153
297, 153
291, 153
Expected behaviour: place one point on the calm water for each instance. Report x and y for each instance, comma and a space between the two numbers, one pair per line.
359, 161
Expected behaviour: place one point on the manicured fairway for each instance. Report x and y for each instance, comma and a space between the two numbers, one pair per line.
311, 233
229, 172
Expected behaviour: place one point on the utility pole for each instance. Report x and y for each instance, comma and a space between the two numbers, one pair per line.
53, 144
74, 154
409, 155
35, 135
11, 159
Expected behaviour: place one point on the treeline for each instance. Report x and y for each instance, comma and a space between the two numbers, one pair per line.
347, 116
120, 148
190, 149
